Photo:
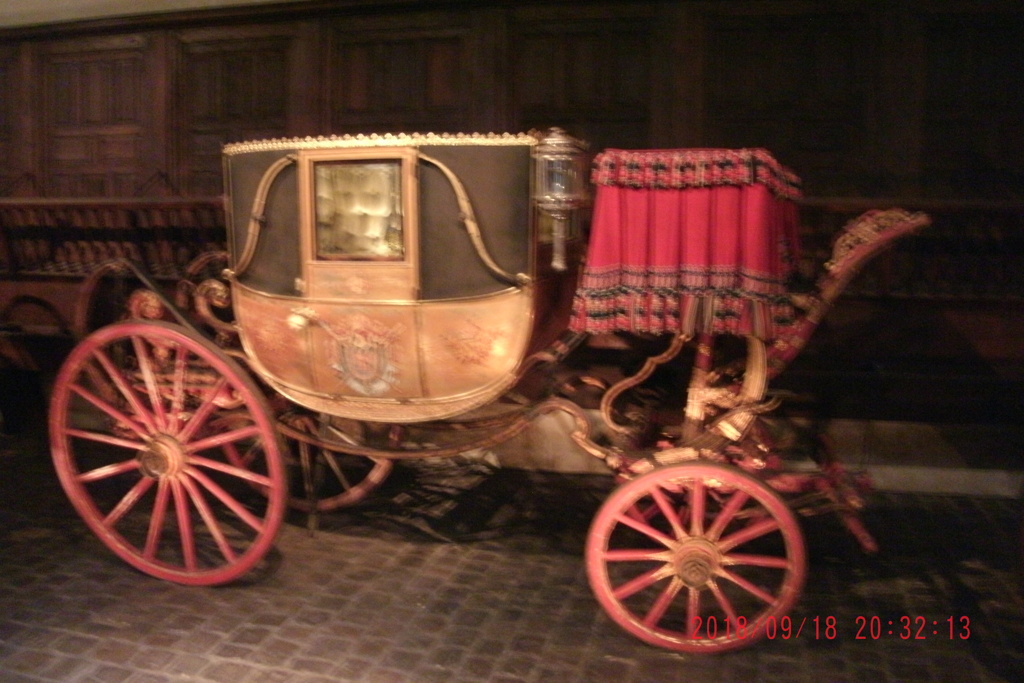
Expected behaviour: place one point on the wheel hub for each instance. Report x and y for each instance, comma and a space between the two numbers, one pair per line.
696, 562
163, 456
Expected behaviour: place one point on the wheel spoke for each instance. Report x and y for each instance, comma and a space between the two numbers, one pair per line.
757, 592
234, 456
204, 411
181, 509
642, 581
146, 368
127, 502
107, 471
224, 437
645, 529
234, 471
156, 522
726, 515
692, 606
661, 605
637, 555
121, 382
771, 561
178, 390
748, 533
96, 379
644, 515
339, 474
723, 601
669, 512
212, 525
113, 412
226, 498
104, 438
698, 500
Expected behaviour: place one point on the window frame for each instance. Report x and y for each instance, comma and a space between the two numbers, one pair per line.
382, 278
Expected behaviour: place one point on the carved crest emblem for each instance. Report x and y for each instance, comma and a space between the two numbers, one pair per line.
363, 354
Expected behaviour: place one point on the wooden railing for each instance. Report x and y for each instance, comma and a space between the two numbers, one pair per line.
68, 238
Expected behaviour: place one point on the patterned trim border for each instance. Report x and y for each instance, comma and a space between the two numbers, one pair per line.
692, 168
381, 140
664, 310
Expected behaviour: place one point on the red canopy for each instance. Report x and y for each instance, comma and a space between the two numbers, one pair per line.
691, 241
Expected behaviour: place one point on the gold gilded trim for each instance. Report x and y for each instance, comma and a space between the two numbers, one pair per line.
390, 410
377, 140
310, 300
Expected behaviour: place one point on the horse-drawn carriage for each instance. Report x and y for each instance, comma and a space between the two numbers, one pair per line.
375, 285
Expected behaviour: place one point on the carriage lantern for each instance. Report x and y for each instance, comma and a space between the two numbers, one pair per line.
560, 185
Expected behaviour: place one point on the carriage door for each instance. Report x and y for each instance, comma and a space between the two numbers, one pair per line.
359, 227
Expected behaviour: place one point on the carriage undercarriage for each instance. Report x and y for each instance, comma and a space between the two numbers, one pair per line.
183, 455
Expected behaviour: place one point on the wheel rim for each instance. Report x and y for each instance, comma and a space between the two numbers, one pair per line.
697, 557
144, 419
323, 479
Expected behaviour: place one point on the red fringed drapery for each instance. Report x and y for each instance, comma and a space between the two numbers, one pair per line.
691, 241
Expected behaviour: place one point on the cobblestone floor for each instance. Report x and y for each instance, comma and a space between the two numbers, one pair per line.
378, 595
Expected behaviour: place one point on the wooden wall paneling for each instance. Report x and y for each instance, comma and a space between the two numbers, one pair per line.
889, 163
97, 100
8, 65
414, 73
308, 112
973, 109
490, 56
587, 69
27, 142
9, 173
679, 59
235, 84
159, 159
793, 82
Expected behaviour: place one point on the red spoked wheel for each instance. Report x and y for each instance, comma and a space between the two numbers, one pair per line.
143, 418
697, 557
323, 478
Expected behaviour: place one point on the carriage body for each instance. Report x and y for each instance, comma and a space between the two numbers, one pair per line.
394, 278
404, 281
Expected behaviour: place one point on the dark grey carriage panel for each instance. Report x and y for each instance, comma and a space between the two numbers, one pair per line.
275, 265
497, 180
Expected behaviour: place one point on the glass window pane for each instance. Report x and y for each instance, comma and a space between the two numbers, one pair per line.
359, 210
